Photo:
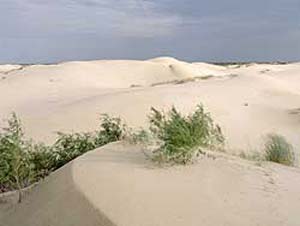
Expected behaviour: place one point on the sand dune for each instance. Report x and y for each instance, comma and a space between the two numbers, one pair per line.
106, 74
6, 68
56, 201
116, 184
63, 83
248, 101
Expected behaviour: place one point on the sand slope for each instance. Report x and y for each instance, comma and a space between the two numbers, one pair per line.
56, 201
248, 101
117, 185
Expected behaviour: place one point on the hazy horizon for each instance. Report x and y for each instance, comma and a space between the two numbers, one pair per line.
35, 31
141, 59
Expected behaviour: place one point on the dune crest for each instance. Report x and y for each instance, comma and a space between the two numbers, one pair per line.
117, 185
248, 101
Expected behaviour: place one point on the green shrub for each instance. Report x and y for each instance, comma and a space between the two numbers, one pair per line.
182, 136
277, 149
22, 162
16, 170
111, 129
43, 160
69, 146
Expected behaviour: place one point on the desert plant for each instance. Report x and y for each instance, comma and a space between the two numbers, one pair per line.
141, 136
16, 170
277, 149
23, 162
69, 146
44, 160
183, 136
111, 129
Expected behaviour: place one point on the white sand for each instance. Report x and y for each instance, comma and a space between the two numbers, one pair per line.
117, 185
6, 68
71, 96
248, 102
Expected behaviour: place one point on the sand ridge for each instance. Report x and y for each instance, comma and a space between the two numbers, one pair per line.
116, 184
248, 101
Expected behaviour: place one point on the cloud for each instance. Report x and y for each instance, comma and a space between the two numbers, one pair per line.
134, 18
191, 29
129, 18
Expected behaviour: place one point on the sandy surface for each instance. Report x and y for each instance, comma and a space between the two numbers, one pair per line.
117, 185
247, 101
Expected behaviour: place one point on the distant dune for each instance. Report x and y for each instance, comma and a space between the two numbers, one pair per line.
248, 100
116, 185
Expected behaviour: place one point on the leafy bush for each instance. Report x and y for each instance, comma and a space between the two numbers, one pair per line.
23, 162
111, 129
69, 146
277, 149
43, 160
182, 136
16, 170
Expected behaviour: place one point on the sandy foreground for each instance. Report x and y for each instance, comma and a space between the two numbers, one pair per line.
117, 185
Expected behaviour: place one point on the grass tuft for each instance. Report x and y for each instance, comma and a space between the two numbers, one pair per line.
277, 149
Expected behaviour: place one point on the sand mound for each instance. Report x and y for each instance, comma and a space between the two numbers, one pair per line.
55, 201
184, 69
39, 84
117, 185
6, 68
102, 74
253, 101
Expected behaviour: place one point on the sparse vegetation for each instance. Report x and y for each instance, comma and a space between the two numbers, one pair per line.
254, 156
23, 162
182, 137
69, 146
16, 170
257, 157
184, 80
177, 139
111, 129
43, 159
277, 149
141, 136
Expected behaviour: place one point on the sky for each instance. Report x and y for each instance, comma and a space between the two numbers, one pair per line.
49, 31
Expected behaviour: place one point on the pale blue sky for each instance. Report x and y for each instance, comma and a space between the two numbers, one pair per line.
44, 31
